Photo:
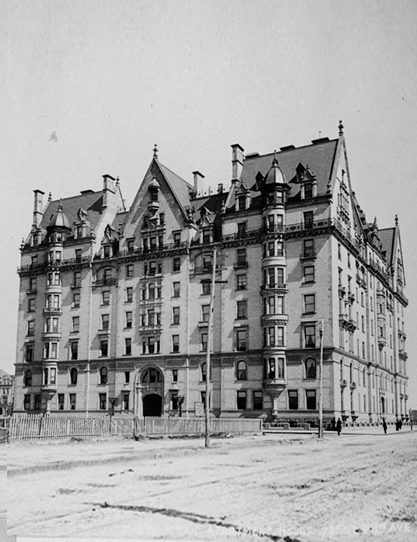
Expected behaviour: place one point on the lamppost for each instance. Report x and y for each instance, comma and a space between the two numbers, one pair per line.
320, 435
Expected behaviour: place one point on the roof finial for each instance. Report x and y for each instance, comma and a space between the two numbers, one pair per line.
155, 152
340, 128
117, 181
275, 160
396, 220
50, 196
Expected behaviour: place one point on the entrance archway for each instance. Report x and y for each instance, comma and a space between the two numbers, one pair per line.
152, 405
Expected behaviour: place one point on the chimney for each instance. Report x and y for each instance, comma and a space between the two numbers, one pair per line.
38, 207
237, 161
198, 183
109, 186
220, 188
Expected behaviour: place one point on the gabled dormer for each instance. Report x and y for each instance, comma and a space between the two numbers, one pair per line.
243, 197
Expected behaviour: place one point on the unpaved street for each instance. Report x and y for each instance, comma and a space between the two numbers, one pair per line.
356, 487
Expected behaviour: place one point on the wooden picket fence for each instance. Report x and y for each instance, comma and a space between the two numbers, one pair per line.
37, 426
194, 426
53, 426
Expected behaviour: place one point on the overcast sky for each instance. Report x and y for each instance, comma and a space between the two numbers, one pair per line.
88, 87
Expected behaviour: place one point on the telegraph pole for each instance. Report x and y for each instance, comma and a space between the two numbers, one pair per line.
209, 343
320, 435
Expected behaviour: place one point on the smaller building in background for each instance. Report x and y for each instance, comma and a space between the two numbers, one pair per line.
6, 393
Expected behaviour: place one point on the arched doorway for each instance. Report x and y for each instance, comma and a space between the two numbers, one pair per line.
152, 405
382, 406
149, 392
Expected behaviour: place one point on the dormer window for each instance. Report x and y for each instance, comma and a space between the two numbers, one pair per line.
308, 190
241, 202
106, 251
79, 232
130, 246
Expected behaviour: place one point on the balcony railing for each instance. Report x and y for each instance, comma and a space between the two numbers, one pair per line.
179, 245
105, 282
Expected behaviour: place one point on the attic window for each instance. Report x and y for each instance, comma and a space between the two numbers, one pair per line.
79, 232
308, 190
241, 202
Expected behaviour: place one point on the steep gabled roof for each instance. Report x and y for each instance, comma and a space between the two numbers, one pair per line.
319, 157
91, 202
179, 187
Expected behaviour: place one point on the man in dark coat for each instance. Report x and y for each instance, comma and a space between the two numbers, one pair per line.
339, 426
384, 426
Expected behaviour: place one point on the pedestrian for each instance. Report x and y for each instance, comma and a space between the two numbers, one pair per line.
397, 424
338, 426
384, 426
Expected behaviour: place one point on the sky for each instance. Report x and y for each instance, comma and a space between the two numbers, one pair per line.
88, 87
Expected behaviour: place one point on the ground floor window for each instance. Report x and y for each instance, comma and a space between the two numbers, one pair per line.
38, 402
126, 401
61, 399
241, 400
293, 399
257, 400
311, 399
26, 402
102, 401
73, 401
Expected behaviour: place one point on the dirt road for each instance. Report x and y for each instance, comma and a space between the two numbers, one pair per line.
358, 487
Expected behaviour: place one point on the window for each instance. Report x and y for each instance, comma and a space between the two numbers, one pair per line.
38, 402
75, 324
280, 336
242, 309
103, 375
26, 402
241, 257
105, 322
129, 294
31, 328
308, 190
206, 286
129, 270
76, 300
128, 319
205, 313
175, 343
176, 289
241, 229
126, 401
308, 219
77, 279
207, 262
308, 248
257, 400
31, 305
174, 375
309, 304
128, 346
107, 276
32, 285
61, 401
293, 399
311, 368
309, 273
241, 202
241, 371
204, 339
151, 345
241, 400
241, 340
339, 251
73, 376
177, 237
175, 315
74, 350
27, 379
105, 298
29, 353
104, 347
102, 401
241, 282
176, 265
309, 335
311, 399
203, 372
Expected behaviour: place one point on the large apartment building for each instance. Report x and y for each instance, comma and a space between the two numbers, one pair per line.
114, 304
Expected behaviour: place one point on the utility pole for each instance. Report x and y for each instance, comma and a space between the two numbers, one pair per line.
209, 343
320, 435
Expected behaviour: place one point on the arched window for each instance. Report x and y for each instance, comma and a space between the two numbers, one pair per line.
74, 376
241, 370
151, 290
203, 372
151, 376
311, 368
28, 378
103, 375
